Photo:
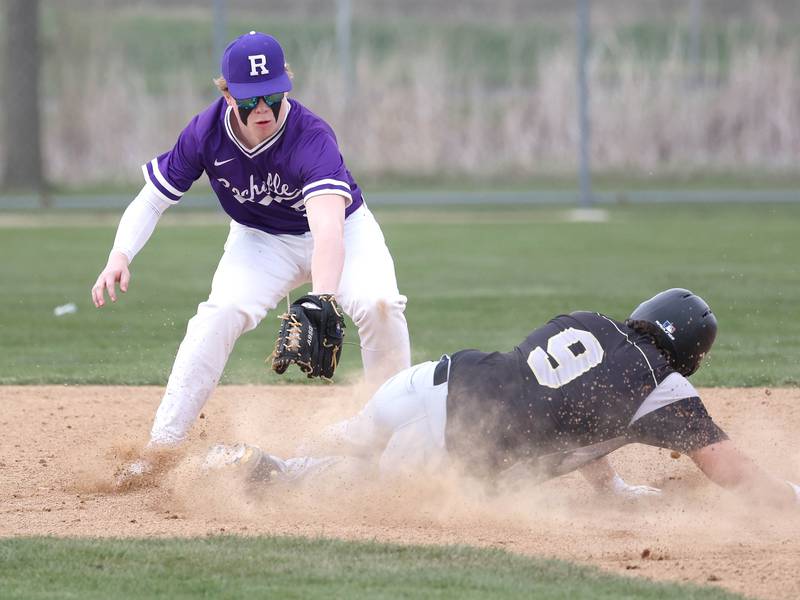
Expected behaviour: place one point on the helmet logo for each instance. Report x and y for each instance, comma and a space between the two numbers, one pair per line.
667, 328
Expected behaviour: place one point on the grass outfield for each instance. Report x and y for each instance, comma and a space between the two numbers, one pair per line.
475, 277
234, 567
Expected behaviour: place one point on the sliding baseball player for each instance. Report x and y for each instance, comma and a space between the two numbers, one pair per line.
573, 391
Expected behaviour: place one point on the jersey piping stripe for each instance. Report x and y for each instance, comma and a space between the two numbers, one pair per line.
332, 191
163, 180
251, 152
267, 143
673, 389
154, 187
343, 184
628, 339
159, 193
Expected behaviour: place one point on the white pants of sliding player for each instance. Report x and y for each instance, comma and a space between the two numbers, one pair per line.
402, 426
256, 272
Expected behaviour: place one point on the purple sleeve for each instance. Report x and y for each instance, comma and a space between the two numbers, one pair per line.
171, 174
322, 169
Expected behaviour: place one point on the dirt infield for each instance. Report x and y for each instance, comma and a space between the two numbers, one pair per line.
60, 446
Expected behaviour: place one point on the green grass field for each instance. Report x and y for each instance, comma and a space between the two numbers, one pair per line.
475, 277
235, 567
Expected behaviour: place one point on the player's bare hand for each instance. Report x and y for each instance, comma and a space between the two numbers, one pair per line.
115, 272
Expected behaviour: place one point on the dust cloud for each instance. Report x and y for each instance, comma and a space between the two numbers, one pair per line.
64, 446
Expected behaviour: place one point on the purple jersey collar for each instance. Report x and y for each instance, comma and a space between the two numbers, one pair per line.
266, 144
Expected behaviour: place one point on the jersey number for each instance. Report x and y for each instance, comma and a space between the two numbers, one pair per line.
570, 353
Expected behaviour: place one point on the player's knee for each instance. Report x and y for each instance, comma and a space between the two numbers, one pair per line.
240, 315
377, 310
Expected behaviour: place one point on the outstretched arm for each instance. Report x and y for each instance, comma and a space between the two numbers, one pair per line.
603, 478
326, 221
726, 466
135, 228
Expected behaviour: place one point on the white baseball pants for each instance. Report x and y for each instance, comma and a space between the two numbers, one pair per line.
403, 423
258, 270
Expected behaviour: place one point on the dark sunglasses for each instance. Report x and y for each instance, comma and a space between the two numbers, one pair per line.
251, 103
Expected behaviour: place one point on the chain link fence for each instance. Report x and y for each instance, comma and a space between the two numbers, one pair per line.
476, 89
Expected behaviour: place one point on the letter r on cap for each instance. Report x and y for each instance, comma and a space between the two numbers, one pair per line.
258, 64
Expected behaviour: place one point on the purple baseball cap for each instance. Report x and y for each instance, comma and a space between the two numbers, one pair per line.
253, 65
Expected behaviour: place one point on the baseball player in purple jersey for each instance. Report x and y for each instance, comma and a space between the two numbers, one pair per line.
297, 215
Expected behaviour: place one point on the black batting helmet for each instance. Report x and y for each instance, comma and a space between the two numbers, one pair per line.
681, 323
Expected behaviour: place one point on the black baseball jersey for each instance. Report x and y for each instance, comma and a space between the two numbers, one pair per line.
580, 379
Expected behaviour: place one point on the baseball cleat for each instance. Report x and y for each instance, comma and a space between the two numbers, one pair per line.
255, 465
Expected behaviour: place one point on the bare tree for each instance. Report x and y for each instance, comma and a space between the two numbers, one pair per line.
22, 109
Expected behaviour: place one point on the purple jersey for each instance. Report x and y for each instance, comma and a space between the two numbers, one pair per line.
263, 187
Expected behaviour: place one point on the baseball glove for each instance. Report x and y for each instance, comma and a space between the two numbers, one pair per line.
310, 336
